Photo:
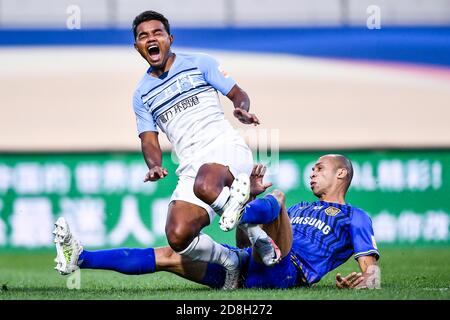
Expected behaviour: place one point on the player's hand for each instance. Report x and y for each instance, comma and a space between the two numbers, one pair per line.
257, 186
245, 117
155, 174
352, 281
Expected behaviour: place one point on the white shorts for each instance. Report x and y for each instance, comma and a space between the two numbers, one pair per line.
233, 153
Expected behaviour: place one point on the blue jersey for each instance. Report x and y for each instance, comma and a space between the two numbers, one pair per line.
326, 234
184, 103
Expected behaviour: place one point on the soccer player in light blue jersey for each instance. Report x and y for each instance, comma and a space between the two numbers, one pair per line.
179, 95
311, 239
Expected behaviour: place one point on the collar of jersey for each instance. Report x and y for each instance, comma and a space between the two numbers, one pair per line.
334, 204
165, 74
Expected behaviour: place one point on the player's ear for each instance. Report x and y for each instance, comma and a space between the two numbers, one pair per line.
171, 39
342, 173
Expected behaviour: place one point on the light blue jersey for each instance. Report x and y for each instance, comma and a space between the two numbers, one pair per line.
184, 103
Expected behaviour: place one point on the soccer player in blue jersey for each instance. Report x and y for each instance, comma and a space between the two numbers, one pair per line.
315, 238
311, 239
179, 94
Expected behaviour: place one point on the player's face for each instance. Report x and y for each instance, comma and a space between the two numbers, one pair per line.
153, 43
323, 176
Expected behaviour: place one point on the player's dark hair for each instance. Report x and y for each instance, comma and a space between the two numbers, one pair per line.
147, 16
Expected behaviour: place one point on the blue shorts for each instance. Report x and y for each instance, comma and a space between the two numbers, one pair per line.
285, 274
280, 276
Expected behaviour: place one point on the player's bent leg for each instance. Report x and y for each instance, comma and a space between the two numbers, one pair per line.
276, 232
226, 194
209, 182
265, 250
261, 211
280, 229
184, 222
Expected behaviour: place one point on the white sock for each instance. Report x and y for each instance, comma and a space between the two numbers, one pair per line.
254, 232
204, 248
221, 200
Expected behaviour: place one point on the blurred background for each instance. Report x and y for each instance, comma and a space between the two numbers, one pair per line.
369, 79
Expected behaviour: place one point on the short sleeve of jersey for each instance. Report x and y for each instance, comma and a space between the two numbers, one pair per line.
214, 74
144, 119
362, 235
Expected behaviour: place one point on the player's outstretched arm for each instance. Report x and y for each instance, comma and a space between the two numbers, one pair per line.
368, 278
241, 103
152, 155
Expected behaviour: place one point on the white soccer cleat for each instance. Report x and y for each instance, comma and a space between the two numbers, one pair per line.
68, 249
268, 251
239, 195
233, 273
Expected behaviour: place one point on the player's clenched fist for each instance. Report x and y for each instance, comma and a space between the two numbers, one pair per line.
156, 173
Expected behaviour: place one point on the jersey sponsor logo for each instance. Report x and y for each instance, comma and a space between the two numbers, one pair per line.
177, 108
332, 211
167, 82
314, 222
185, 83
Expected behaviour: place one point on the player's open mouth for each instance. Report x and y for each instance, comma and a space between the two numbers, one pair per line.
154, 52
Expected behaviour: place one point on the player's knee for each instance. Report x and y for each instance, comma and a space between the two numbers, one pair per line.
201, 180
279, 196
201, 189
178, 237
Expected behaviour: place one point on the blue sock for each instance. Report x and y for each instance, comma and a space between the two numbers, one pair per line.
123, 260
261, 211
214, 276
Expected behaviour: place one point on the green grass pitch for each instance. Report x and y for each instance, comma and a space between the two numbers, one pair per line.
407, 273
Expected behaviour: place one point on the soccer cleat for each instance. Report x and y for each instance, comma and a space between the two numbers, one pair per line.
233, 273
239, 195
268, 251
68, 249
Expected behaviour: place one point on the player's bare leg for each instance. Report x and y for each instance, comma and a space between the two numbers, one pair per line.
271, 241
71, 256
280, 229
170, 261
226, 194
184, 223
210, 181
261, 211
